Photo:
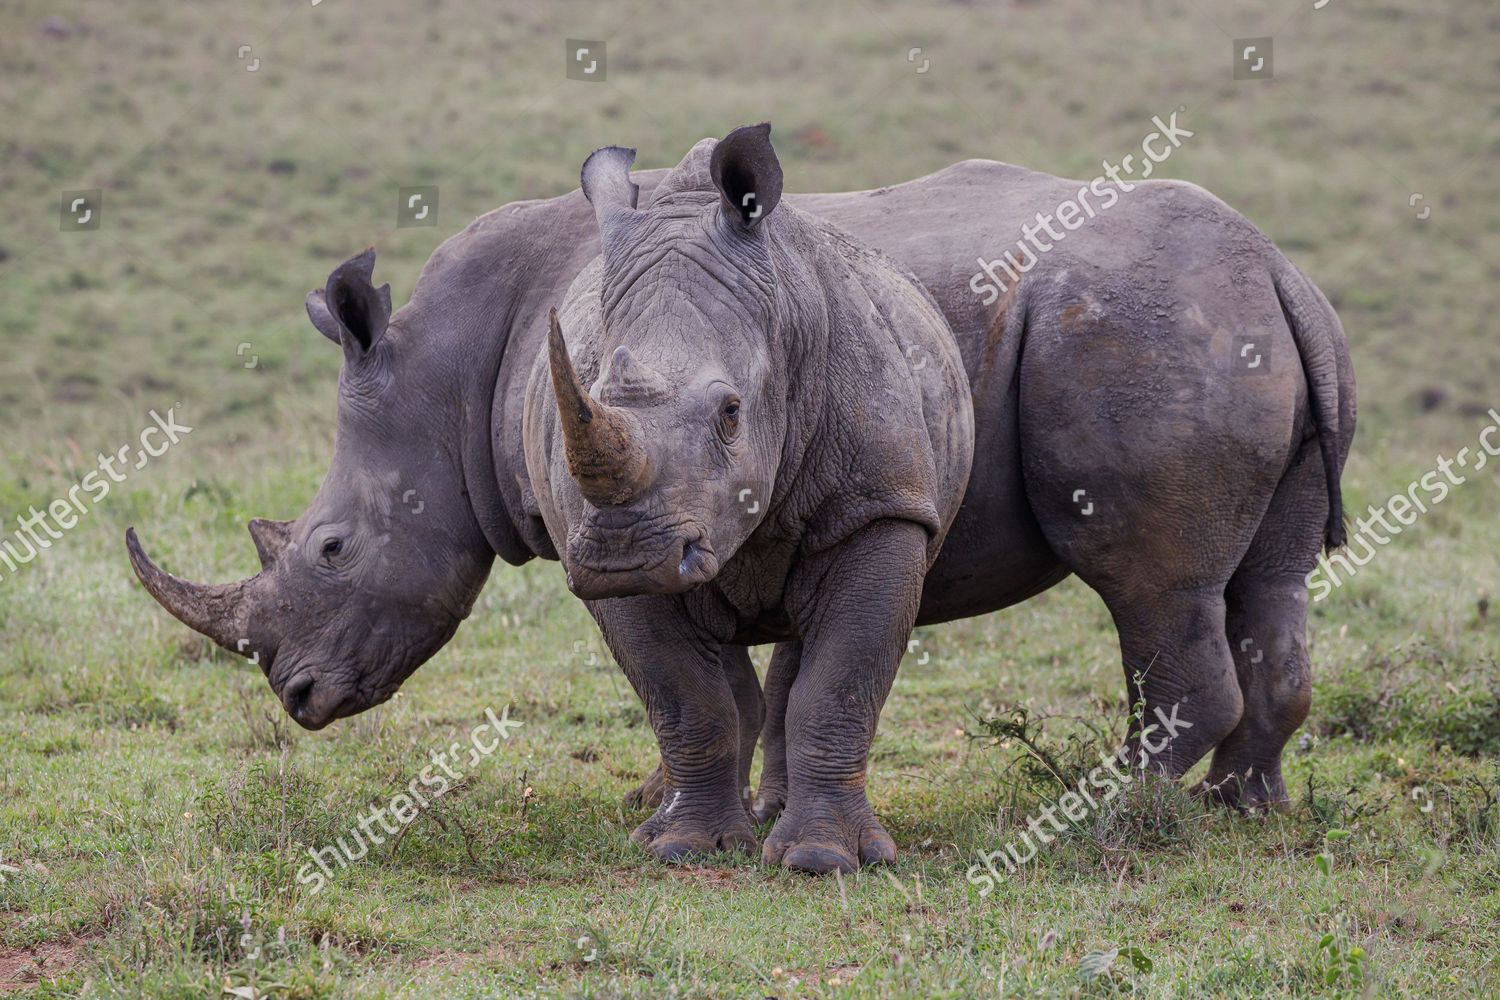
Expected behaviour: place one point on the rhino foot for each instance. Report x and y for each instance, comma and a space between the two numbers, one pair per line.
838, 836
648, 794
1258, 792
768, 803
687, 824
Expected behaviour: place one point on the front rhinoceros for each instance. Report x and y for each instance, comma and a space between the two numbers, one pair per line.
766, 429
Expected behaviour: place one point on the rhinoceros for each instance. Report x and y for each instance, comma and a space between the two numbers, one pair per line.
758, 460
1163, 405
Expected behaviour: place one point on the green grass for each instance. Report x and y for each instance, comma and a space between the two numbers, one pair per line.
155, 806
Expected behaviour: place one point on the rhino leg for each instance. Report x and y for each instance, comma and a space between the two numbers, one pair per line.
647, 795
1158, 542
855, 606
750, 706
680, 675
1151, 461
770, 799
1179, 675
1267, 631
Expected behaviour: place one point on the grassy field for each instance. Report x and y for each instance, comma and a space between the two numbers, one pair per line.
156, 806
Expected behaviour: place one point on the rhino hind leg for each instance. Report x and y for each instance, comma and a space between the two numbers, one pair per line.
1266, 627
1179, 674
1158, 542
1152, 460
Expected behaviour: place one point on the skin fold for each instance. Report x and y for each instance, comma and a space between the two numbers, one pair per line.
1114, 366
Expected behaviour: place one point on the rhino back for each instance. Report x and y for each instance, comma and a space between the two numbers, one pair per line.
1164, 249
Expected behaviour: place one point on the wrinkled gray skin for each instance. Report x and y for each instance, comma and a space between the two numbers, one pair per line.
1210, 490
757, 459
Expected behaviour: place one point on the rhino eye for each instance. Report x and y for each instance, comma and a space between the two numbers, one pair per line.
729, 419
332, 546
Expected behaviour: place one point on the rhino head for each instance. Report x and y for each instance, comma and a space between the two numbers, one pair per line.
376, 574
654, 468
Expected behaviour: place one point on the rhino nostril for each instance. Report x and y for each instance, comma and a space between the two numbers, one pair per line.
697, 560
297, 694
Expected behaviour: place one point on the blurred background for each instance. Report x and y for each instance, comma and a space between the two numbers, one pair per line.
233, 154
245, 150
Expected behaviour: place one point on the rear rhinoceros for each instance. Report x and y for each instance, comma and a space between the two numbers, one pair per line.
744, 437
1121, 433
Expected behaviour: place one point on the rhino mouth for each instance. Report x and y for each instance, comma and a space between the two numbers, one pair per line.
313, 700
598, 571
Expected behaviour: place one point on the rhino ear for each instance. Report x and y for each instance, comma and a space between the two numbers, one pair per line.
606, 182
317, 311
745, 170
350, 310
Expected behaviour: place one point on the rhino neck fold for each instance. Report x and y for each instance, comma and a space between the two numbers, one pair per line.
480, 472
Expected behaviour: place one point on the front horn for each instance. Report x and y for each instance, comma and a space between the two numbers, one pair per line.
604, 456
219, 611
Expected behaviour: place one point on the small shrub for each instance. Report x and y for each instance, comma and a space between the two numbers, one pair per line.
1334, 809
1410, 695
267, 806
1148, 812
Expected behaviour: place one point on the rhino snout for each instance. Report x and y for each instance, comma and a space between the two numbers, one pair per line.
600, 568
314, 701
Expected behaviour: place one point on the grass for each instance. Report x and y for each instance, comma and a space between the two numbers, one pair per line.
155, 807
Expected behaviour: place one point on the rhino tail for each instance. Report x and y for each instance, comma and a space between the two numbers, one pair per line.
1320, 344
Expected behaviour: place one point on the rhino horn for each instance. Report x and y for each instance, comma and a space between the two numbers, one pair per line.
219, 611
602, 443
631, 381
271, 538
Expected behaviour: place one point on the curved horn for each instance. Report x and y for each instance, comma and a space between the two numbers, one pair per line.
603, 454
219, 611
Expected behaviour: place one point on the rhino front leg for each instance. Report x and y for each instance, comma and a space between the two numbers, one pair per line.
748, 703
854, 606
679, 674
